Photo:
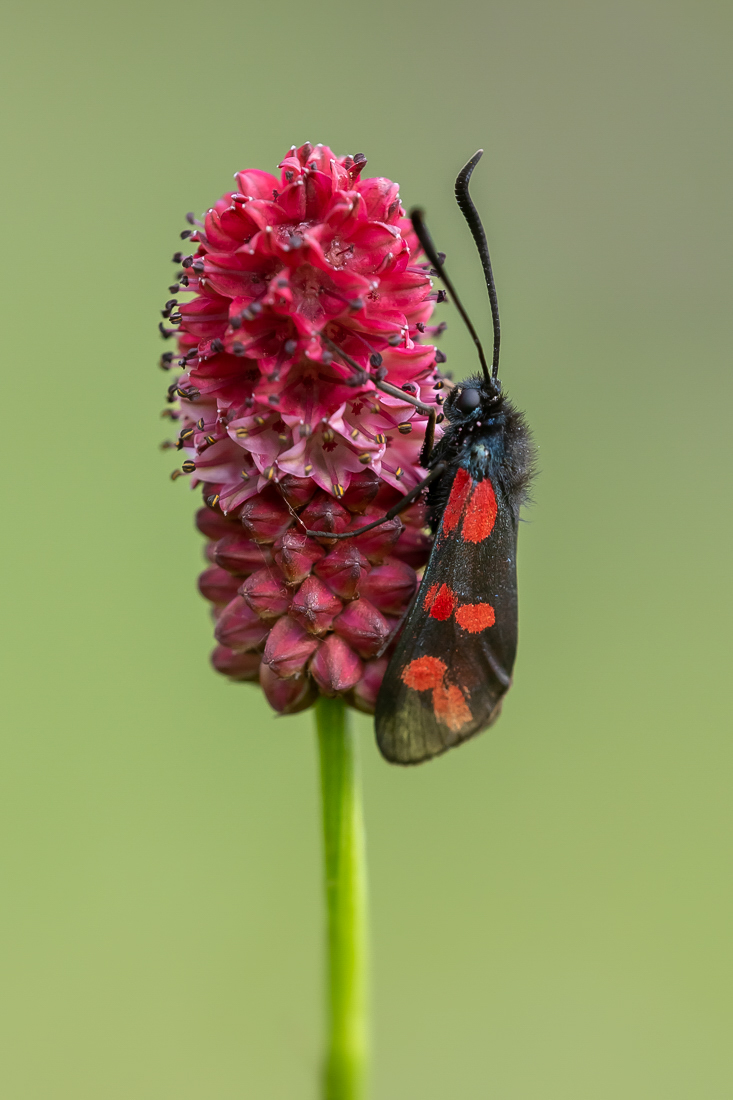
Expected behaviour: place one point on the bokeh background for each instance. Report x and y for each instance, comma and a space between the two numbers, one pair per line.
551, 904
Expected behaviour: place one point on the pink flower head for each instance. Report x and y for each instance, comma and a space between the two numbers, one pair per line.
286, 433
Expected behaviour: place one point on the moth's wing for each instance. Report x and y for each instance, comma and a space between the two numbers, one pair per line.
423, 710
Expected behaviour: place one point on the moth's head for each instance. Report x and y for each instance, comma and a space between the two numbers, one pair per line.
468, 400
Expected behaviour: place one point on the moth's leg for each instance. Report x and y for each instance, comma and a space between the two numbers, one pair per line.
395, 510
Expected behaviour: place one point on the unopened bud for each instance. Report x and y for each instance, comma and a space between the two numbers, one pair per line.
240, 555
288, 647
266, 594
213, 524
413, 547
286, 696
390, 586
315, 606
363, 627
362, 490
343, 569
296, 554
266, 516
297, 490
367, 690
376, 544
335, 667
325, 514
237, 666
217, 585
239, 627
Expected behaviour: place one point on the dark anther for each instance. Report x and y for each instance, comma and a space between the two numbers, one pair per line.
409, 387
171, 302
217, 346
440, 329
165, 362
236, 320
186, 434
404, 429
184, 280
394, 340
192, 353
440, 356
188, 467
441, 257
200, 424
174, 288
290, 347
381, 374
167, 357
359, 379
176, 318
440, 418
191, 218
182, 362
356, 303
165, 313
166, 333
289, 177
274, 194
238, 348
198, 267
187, 261
359, 160
185, 234
439, 397
177, 257
442, 297
420, 326
274, 399
376, 359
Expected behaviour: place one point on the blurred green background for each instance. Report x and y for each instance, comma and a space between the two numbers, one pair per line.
552, 903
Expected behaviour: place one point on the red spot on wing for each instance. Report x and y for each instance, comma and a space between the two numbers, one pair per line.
456, 501
443, 603
430, 596
475, 617
424, 673
450, 707
481, 513
449, 702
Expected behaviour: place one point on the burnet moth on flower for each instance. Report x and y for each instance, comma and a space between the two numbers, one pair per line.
454, 656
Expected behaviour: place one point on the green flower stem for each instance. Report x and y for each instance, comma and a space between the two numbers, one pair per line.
343, 834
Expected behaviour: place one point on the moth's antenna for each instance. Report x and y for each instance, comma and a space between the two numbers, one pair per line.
421, 231
470, 213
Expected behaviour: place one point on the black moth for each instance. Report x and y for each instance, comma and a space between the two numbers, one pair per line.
455, 653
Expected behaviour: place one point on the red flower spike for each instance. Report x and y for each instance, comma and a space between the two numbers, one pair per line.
390, 587
240, 555
343, 569
366, 691
335, 667
279, 428
239, 627
217, 585
266, 517
287, 696
288, 648
296, 555
237, 666
363, 627
266, 593
314, 606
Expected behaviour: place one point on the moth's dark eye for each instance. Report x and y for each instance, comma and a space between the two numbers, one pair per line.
468, 400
